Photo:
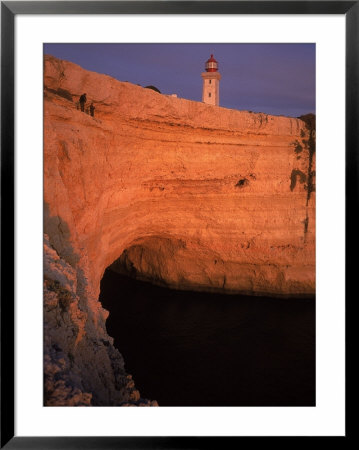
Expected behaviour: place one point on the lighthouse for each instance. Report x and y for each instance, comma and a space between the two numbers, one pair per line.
211, 77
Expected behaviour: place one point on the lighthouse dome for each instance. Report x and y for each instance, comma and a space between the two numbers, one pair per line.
211, 65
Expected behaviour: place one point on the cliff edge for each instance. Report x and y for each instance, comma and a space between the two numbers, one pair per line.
178, 192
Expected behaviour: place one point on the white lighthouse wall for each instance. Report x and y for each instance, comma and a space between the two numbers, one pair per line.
210, 91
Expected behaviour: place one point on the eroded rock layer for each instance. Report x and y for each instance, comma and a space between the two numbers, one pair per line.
81, 365
191, 195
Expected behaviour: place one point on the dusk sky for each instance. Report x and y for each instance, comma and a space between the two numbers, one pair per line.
271, 78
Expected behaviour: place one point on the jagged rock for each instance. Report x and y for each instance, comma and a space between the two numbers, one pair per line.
81, 366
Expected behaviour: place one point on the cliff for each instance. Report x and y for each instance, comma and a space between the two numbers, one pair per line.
185, 194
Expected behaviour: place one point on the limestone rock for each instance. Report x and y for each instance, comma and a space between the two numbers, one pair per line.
81, 366
233, 186
191, 195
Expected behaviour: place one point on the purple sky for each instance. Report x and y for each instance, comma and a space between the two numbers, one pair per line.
272, 78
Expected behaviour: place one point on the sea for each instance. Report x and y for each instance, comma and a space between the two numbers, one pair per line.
186, 348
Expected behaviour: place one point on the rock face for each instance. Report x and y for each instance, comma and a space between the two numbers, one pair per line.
81, 365
185, 194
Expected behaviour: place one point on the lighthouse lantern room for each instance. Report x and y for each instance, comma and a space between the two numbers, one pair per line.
211, 77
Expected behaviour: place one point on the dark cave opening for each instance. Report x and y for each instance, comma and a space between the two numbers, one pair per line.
187, 348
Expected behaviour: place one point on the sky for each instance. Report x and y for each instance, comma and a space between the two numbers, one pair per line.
275, 79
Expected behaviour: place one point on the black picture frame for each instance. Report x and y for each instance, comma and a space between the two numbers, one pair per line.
8, 12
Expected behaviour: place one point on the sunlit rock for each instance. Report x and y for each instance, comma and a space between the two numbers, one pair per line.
192, 196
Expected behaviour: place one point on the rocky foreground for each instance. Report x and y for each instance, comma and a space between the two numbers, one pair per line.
181, 193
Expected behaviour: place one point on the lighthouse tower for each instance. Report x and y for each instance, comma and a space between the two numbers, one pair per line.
211, 77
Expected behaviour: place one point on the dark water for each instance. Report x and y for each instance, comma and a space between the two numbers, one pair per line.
199, 349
